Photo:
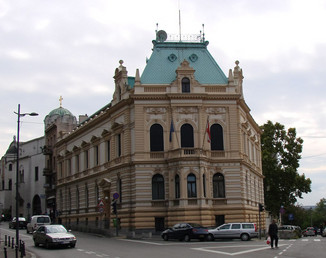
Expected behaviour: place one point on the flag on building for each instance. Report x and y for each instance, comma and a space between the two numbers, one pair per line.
208, 131
171, 130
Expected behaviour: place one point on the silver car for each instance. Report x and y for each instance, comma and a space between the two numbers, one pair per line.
244, 231
53, 235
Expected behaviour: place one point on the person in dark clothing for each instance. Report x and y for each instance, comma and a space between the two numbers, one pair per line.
272, 232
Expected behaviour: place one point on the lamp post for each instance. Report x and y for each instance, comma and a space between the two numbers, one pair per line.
17, 174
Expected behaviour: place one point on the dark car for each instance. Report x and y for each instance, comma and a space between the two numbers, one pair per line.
53, 235
22, 222
186, 232
309, 231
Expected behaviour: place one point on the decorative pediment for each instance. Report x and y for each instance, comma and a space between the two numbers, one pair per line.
105, 183
116, 126
94, 138
75, 148
105, 132
83, 144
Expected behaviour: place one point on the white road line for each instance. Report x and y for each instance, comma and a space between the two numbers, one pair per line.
140, 241
231, 254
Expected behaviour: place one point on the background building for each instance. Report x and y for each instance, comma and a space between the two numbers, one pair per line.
31, 181
175, 144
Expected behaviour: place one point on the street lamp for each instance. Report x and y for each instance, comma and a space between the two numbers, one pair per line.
17, 174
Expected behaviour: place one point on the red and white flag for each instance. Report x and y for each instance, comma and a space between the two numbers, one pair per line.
208, 132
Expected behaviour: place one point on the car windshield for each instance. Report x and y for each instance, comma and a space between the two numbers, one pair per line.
55, 229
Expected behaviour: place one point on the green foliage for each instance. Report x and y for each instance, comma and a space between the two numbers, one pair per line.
281, 151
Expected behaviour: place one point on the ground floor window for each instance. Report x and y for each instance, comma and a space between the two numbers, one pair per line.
159, 224
219, 220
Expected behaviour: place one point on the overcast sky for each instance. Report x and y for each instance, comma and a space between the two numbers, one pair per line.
72, 47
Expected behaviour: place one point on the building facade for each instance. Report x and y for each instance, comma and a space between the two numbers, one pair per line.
30, 179
177, 143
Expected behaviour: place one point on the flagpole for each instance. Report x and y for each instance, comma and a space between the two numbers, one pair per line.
205, 131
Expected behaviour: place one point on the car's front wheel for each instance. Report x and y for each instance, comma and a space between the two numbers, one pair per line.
47, 245
165, 237
35, 243
210, 237
187, 238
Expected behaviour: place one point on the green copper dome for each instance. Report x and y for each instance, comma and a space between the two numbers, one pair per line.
60, 111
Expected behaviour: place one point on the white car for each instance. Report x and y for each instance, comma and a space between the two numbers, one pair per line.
36, 221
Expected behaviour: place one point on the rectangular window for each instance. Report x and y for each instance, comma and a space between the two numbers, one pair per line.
68, 167
96, 156
36, 174
119, 145
77, 163
86, 159
108, 152
60, 170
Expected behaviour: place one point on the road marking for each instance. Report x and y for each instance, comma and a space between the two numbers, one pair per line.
140, 241
207, 249
317, 240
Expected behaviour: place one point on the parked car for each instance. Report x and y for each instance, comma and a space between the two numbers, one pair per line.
289, 231
185, 231
36, 221
309, 231
324, 232
53, 235
243, 231
22, 222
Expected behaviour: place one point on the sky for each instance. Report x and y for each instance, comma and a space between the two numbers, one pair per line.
71, 48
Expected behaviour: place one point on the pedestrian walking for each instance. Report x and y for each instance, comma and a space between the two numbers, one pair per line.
272, 232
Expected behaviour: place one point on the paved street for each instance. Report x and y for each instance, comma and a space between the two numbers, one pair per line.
92, 246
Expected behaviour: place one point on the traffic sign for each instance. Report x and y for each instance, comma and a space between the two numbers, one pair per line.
101, 203
116, 196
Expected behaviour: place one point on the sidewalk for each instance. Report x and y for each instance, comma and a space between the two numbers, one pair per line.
11, 252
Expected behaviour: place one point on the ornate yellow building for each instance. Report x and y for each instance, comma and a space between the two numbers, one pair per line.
175, 144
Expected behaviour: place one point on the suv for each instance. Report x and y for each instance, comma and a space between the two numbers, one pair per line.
37, 221
244, 231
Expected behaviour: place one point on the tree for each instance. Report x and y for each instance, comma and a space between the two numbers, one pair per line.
281, 151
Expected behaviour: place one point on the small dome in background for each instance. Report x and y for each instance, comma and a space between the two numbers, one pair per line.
60, 111
61, 115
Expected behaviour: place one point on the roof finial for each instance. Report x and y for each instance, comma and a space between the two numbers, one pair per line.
203, 33
60, 100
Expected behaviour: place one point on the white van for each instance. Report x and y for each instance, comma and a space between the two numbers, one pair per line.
37, 221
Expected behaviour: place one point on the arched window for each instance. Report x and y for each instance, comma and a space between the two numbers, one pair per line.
10, 167
156, 138
187, 136
191, 186
86, 196
77, 199
158, 187
119, 188
216, 137
204, 184
185, 82
97, 193
177, 186
218, 186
